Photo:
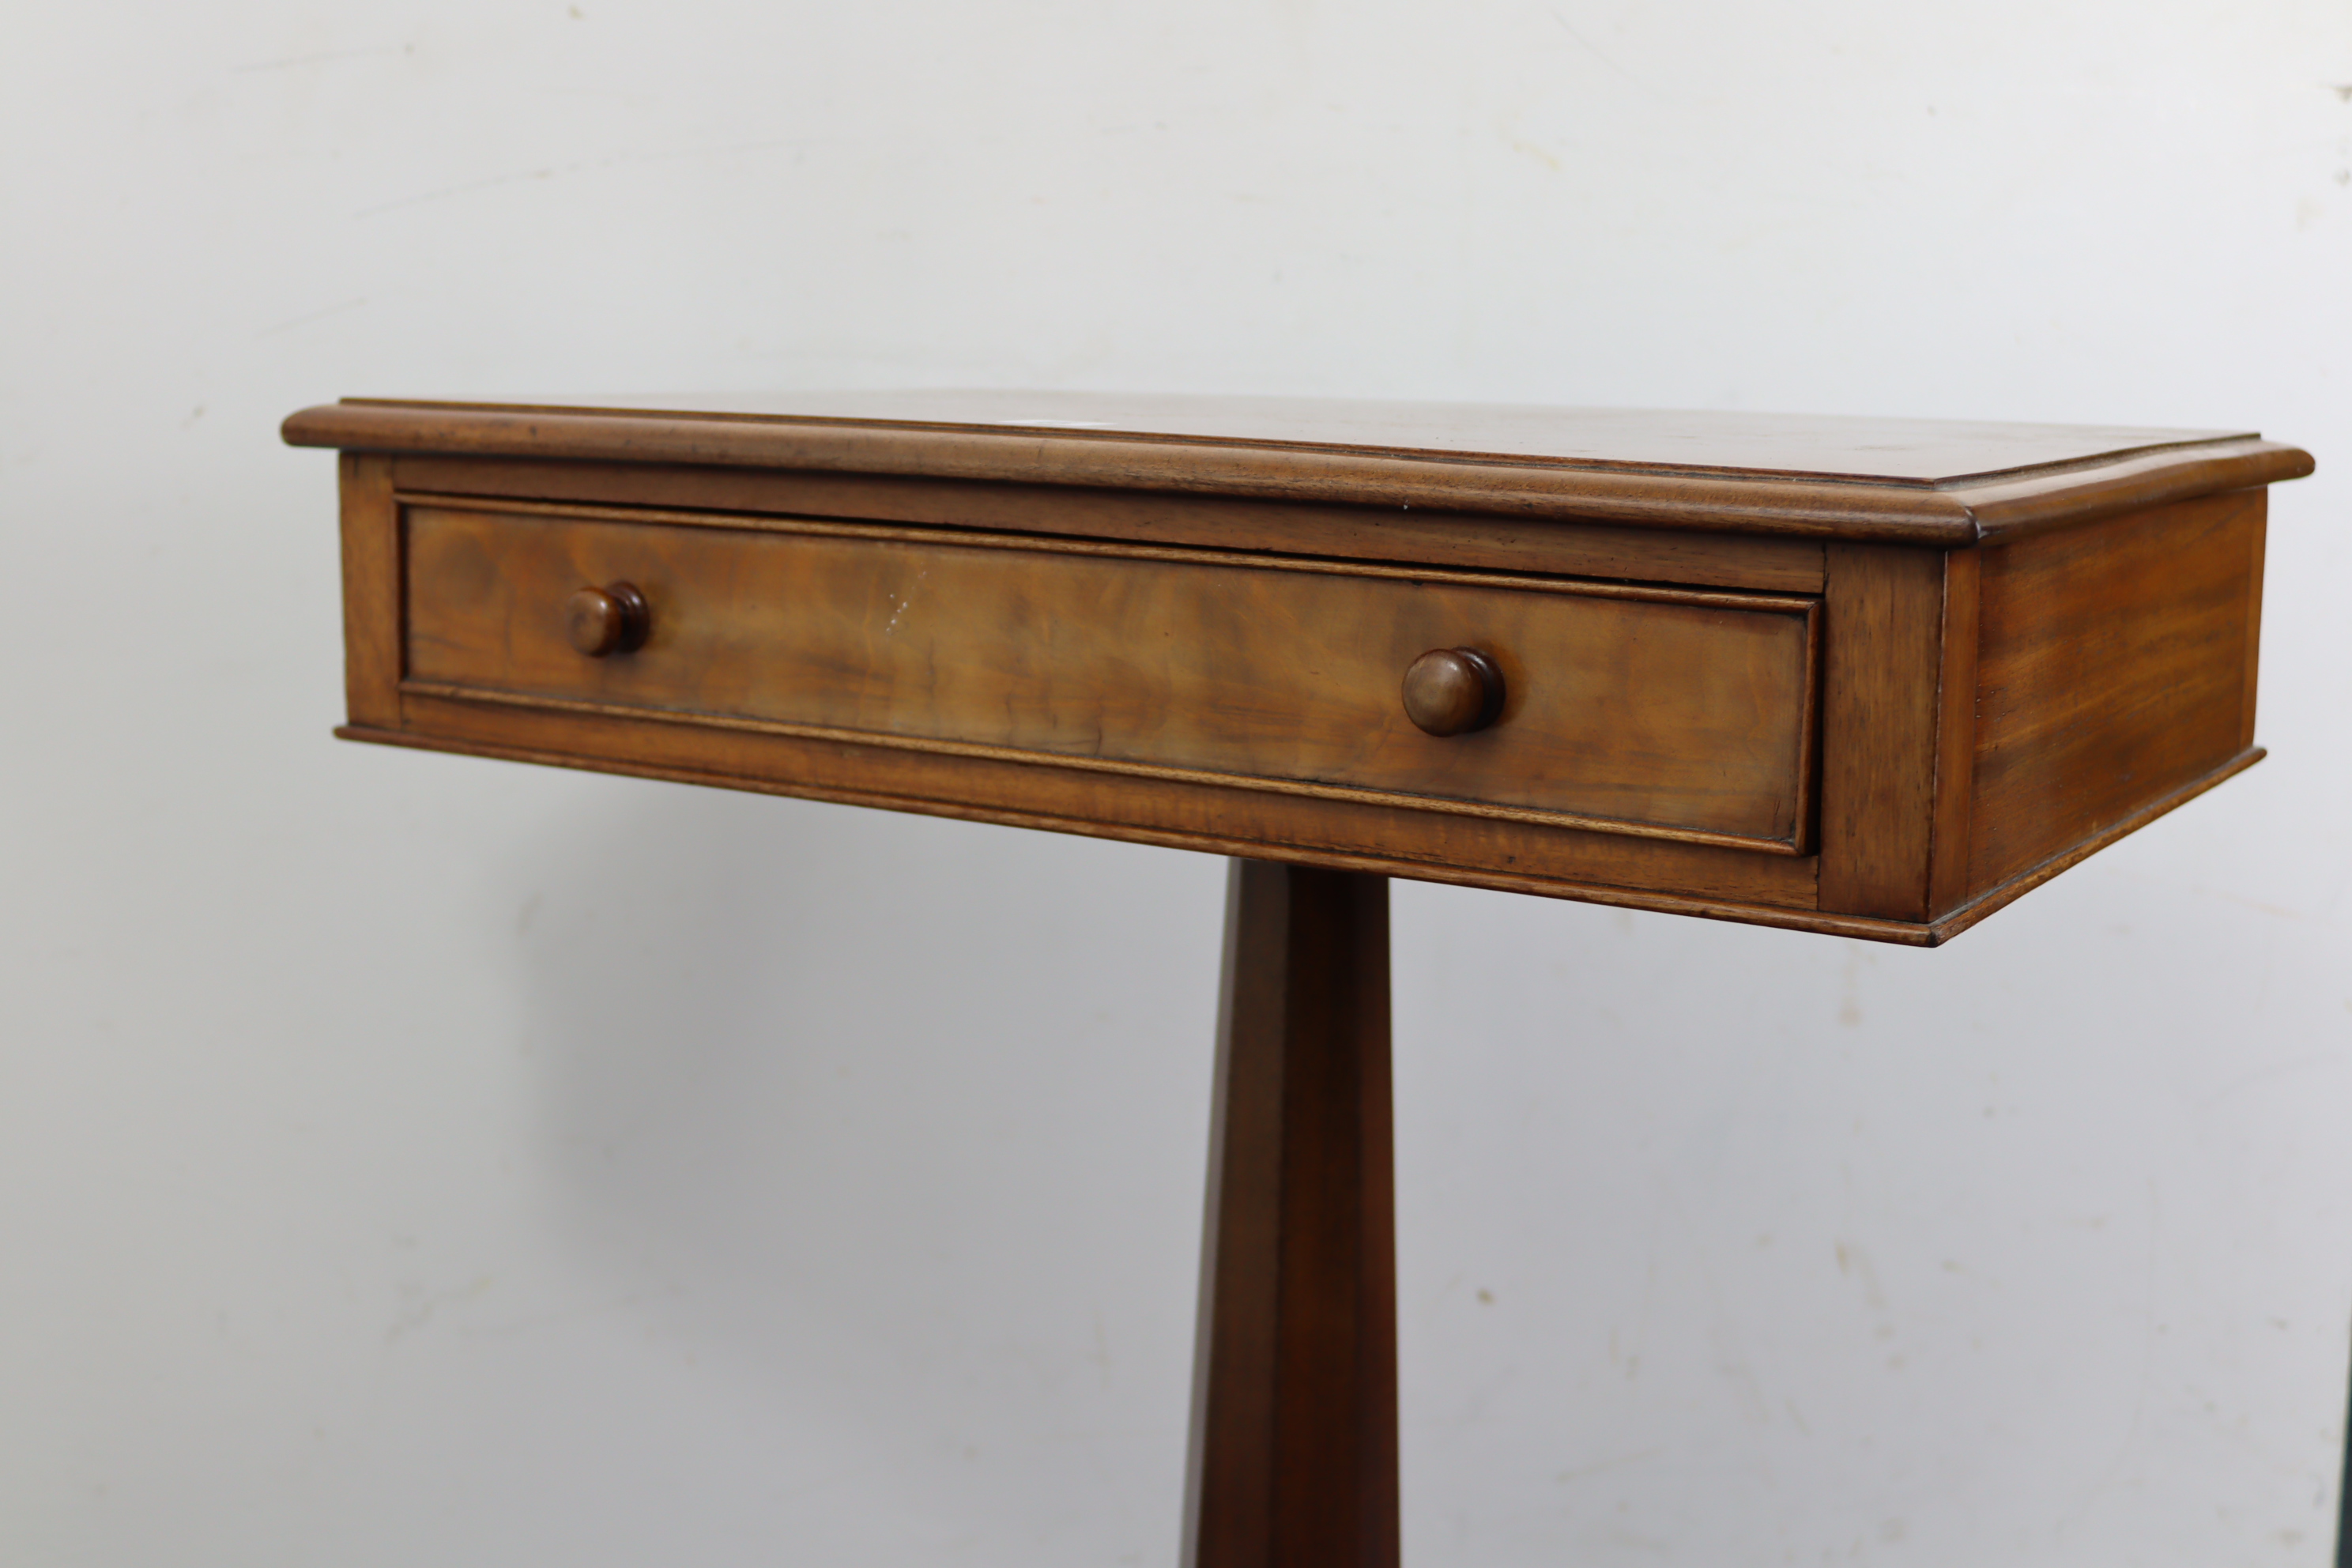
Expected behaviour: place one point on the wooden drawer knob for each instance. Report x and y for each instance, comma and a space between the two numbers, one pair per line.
611, 619
1453, 691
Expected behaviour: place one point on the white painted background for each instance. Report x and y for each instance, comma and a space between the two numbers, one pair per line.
415, 1160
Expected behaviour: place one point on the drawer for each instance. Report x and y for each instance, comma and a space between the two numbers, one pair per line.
1632, 709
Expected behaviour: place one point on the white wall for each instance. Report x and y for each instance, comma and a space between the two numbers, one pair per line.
406, 1160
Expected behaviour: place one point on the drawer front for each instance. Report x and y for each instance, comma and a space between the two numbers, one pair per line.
1649, 711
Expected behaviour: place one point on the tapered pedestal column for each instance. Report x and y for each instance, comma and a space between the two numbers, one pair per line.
1294, 1452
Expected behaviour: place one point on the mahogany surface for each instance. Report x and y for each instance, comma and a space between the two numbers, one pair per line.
1431, 536
1939, 483
1258, 675
1915, 451
1166, 644
1867, 677
1293, 1453
2121, 651
1455, 690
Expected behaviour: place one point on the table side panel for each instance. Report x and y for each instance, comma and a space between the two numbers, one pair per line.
2115, 667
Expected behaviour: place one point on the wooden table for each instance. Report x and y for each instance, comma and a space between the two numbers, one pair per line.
1870, 677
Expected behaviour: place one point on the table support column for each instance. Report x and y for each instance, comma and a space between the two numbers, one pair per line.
1294, 1447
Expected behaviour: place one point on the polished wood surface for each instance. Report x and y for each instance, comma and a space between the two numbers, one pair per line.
1870, 678
1885, 610
372, 599
1429, 536
1351, 832
1897, 480
1294, 1442
1698, 880
598, 622
1454, 690
1910, 451
1649, 711
2114, 665
1955, 732
1228, 603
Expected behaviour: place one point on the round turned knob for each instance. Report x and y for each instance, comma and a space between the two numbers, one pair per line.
611, 619
1453, 691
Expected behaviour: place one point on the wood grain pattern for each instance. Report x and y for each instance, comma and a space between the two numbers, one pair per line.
1453, 691
372, 590
1925, 549
2258, 533
1419, 535
1956, 735
2010, 510
1042, 794
1812, 478
2112, 671
1773, 497
1188, 624
1784, 916
1918, 452
1884, 625
1637, 710
601, 622
2008, 891
1293, 1443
